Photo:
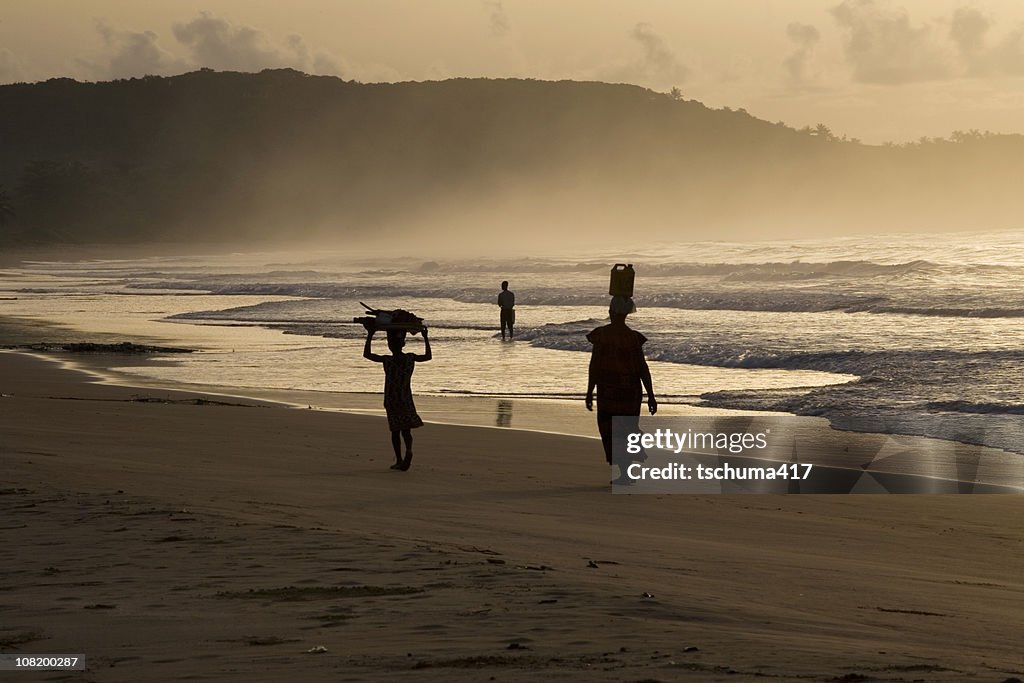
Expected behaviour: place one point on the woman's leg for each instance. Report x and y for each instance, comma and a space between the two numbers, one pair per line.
604, 426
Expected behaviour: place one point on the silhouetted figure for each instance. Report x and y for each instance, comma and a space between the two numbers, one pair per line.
398, 368
507, 302
619, 372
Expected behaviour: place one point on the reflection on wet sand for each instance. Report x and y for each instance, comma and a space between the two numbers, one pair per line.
503, 418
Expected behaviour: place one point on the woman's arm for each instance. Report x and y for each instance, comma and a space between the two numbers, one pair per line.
645, 377
591, 383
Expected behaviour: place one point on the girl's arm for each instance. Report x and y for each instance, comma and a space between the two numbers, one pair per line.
426, 347
367, 353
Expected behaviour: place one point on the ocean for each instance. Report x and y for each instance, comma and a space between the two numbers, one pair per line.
911, 334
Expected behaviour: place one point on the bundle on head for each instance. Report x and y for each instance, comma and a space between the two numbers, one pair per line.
396, 320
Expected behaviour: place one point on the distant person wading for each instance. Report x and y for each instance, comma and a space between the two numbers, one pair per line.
507, 302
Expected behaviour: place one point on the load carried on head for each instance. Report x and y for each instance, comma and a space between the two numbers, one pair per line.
622, 279
389, 321
620, 289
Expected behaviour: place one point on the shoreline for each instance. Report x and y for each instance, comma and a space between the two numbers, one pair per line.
936, 460
555, 415
1004, 473
545, 415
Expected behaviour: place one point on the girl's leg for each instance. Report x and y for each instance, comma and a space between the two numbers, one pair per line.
396, 443
407, 435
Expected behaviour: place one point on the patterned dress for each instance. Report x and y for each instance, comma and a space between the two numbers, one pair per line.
398, 392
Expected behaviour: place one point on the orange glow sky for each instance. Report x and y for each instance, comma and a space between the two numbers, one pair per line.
873, 69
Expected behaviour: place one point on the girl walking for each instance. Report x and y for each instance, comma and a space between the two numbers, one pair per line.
398, 403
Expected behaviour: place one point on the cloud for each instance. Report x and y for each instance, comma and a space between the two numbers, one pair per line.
883, 47
208, 41
658, 59
806, 37
1007, 57
319, 63
218, 44
136, 54
10, 68
325, 65
658, 65
500, 25
969, 30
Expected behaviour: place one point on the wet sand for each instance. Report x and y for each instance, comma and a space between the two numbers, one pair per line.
176, 538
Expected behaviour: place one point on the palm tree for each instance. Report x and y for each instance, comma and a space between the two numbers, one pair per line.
6, 209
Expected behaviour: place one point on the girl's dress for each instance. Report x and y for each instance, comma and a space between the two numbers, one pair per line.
398, 392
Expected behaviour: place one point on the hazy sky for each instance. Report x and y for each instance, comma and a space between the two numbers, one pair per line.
873, 69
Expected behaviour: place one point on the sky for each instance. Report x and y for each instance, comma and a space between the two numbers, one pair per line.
876, 70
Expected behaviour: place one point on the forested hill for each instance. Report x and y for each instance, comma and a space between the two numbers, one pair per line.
213, 155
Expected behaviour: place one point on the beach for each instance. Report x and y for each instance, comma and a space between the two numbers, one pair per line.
340, 343
170, 538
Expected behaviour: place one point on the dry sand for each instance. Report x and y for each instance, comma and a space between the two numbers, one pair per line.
172, 540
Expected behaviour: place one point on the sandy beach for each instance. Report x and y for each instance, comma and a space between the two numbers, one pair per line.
168, 538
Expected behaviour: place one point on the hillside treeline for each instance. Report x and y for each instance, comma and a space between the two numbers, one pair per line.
225, 156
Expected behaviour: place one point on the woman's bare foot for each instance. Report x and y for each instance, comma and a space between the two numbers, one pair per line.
407, 463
